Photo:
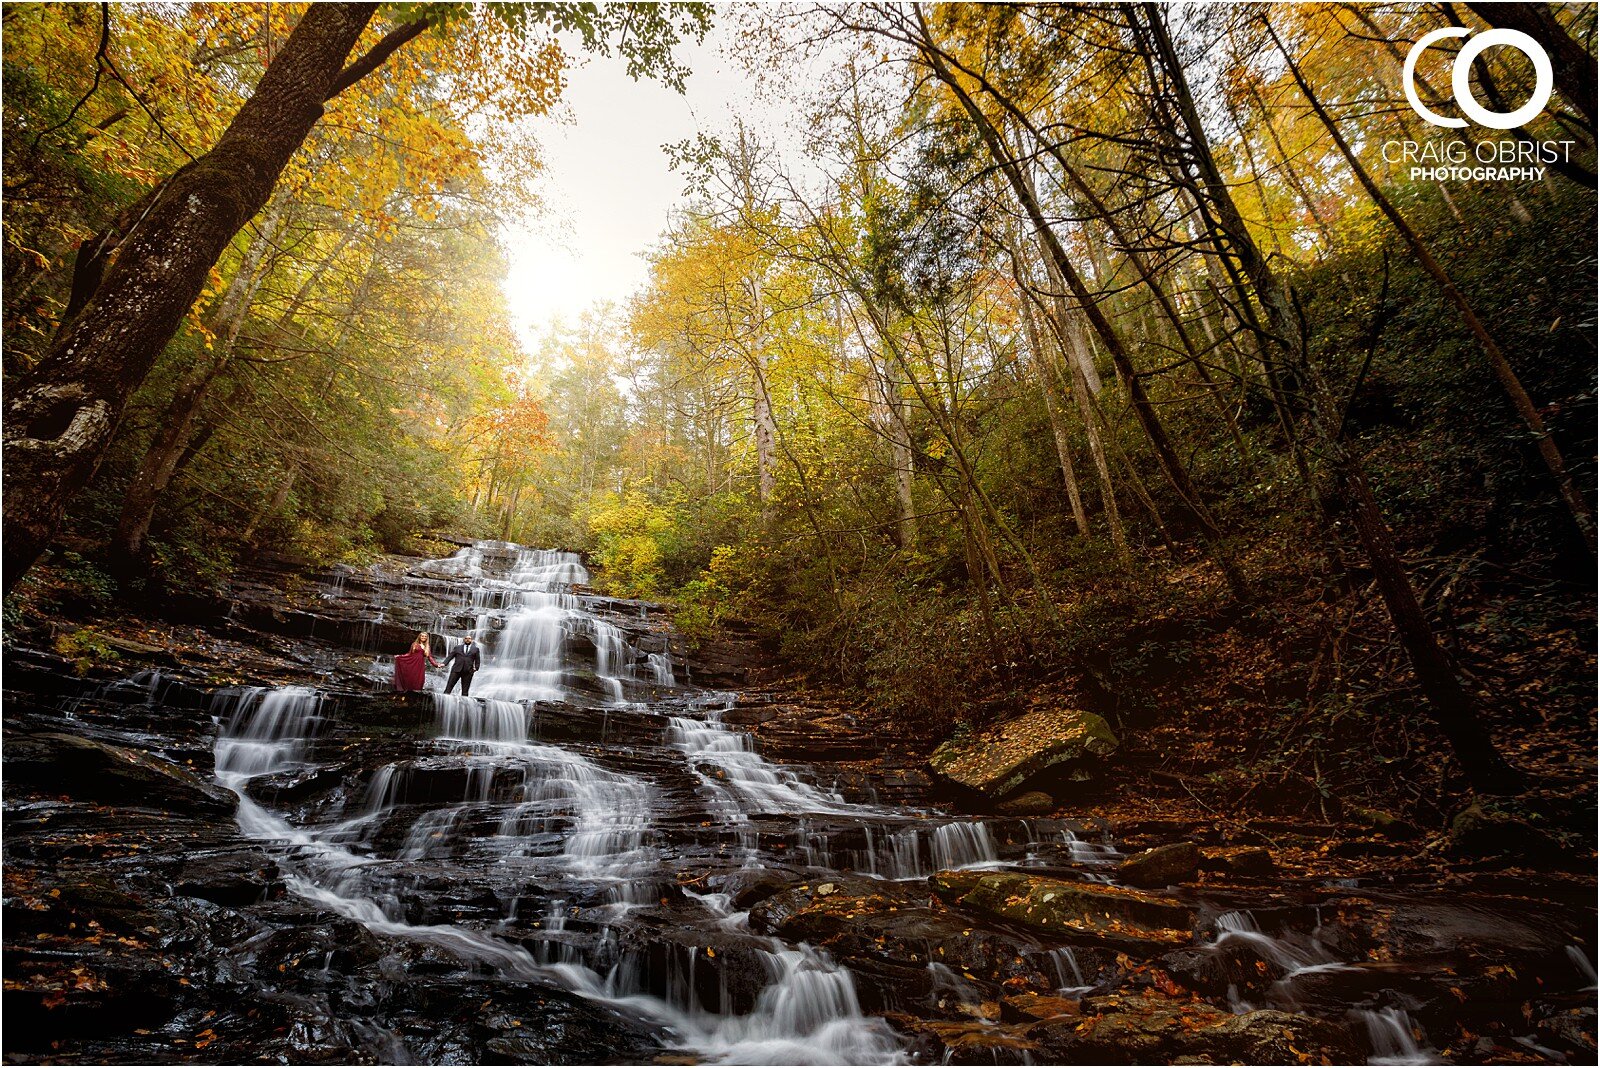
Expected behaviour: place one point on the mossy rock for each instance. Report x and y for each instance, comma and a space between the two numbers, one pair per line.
1114, 915
998, 761
1132, 1029
1032, 803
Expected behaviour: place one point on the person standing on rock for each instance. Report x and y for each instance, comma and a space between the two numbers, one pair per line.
409, 672
464, 659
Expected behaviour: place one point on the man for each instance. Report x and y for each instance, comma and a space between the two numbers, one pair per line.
464, 659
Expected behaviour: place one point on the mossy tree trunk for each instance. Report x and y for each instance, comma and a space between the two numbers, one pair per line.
60, 420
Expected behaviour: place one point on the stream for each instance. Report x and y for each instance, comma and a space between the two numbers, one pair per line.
586, 861
581, 843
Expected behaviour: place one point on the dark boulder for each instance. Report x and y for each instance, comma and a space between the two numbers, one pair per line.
1165, 865
1240, 862
749, 886
94, 770
242, 877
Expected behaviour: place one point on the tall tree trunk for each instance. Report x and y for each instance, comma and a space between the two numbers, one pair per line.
1046, 377
1144, 411
766, 427
766, 440
1070, 333
60, 420
898, 430
160, 461
280, 497
1452, 708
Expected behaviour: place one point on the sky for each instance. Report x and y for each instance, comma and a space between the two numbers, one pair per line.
607, 187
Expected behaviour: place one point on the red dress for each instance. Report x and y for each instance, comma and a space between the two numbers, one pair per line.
409, 674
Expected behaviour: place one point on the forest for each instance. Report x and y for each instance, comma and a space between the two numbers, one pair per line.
1173, 363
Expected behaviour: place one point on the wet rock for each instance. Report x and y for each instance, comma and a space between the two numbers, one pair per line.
930, 953
976, 1042
1124, 1029
140, 651
811, 734
407, 714
1041, 1006
1001, 759
1240, 862
238, 878
1567, 1027
717, 971
1032, 803
1234, 970
95, 770
749, 886
1165, 865
1114, 915
293, 786
810, 913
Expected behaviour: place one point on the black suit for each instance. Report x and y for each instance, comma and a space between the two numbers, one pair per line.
463, 660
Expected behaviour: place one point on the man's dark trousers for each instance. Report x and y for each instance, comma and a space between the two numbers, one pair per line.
464, 674
463, 660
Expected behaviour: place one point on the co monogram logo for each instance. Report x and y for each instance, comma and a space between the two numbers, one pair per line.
1461, 87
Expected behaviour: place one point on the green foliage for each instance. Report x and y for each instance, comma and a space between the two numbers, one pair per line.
631, 533
703, 603
85, 648
644, 35
189, 559
86, 581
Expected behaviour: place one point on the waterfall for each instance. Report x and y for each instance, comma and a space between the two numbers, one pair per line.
661, 669
914, 852
1068, 973
472, 719
738, 781
1294, 959
560, 821
1392, 1035
267, 732
1580, 960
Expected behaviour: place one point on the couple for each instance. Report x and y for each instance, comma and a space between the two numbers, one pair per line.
464, 659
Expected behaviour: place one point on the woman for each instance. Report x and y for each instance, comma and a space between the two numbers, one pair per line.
409, 674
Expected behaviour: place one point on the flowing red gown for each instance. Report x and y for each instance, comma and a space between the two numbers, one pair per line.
409, 674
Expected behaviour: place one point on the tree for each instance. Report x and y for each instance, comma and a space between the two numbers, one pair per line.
61, 418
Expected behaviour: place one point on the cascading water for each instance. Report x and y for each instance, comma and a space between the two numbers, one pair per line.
585, 860
545, 830
482, 797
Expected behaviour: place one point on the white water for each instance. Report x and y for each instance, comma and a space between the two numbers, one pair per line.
1392, 1036
1391, 1033
1580, 960
1069, 975
1294, 958
740, 783
527, 620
